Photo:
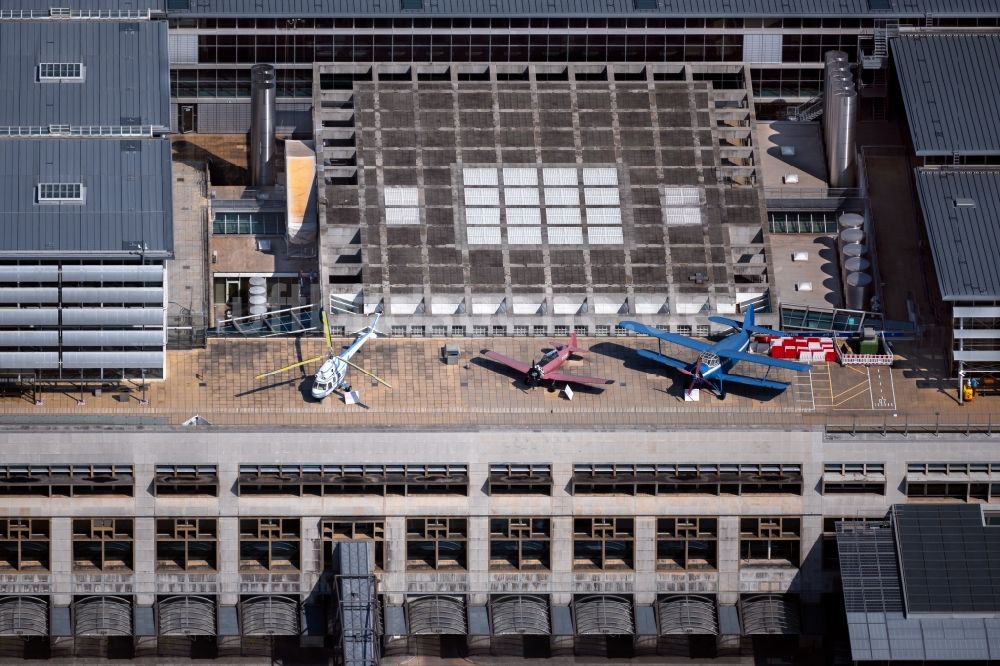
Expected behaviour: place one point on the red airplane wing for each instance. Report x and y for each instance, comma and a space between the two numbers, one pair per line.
577, 379
505, 360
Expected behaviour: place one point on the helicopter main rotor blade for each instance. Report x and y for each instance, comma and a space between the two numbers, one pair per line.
373, 376
326, 329
290, 367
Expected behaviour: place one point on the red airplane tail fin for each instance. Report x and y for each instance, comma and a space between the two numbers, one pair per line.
572, 344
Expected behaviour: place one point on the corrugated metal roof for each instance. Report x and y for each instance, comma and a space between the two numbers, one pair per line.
950, 87
126, 79
128, 197
386, 8
964, 240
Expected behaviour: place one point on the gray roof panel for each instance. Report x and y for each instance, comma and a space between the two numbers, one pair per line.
951, 91
541, 8
964, 240
127, 202
126, 73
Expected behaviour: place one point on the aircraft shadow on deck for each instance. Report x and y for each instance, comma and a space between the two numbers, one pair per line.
633, 361
521, 385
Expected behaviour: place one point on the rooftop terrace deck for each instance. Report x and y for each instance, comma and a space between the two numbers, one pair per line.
218, 384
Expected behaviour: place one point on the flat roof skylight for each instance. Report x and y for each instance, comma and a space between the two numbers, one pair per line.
60, 71
60, 192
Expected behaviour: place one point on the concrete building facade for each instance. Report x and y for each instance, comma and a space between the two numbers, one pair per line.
247, 523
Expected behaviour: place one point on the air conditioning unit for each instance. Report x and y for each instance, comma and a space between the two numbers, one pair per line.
791, 178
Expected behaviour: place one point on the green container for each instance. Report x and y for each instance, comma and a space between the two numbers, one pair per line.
869, 346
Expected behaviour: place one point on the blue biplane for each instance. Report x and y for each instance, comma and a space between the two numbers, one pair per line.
715, 361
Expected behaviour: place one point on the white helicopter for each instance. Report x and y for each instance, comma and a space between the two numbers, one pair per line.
332, 375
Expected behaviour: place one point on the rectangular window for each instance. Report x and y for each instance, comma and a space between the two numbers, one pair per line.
24, 545
60, 192
519, 544
603, 544
186, 480
335, 530
186, 544
436, 544
60, 71
687, 544
270, 544
770, 540
520, 479
102, 544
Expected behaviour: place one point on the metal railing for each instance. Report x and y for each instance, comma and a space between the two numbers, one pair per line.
63, 13
909, 425
76, 130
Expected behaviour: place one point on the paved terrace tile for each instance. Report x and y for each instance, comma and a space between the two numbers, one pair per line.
219, 384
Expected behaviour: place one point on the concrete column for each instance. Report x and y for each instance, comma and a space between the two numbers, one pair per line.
729, 559
229, 560
394, 577
645, 560
311, 554
811, 561
562, 560
144, 560
478, 563
61, 560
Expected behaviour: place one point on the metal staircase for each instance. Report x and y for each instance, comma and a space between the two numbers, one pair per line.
810, 110
885, 29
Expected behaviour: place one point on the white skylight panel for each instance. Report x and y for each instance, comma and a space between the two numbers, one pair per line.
682, 216
565, 236
681, 196
60, 71
523, 216
520, 196
563, 215
604, 216
395, 217
524, 235
601, 196
402, 196
519, 176
479, 176
480, 216
482, 196
559, 176
60, 192
604, 235
562, 196
483, 235
601, 176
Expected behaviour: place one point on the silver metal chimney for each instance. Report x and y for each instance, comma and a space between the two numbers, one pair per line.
263, 89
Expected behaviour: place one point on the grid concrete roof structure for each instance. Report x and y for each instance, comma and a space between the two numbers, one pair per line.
401, 8
123, 81
537, 193
922, 585
948, 84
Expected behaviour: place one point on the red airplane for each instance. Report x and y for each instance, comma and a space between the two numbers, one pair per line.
545, 369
